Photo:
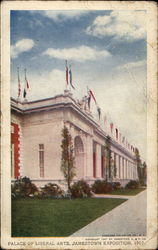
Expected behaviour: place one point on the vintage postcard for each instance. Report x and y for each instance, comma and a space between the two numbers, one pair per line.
78, 119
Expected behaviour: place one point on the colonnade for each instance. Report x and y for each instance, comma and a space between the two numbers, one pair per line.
91, 161
125, 166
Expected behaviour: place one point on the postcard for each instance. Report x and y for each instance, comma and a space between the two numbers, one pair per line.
78, 119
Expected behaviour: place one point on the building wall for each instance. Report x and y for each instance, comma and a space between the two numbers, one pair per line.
42, 128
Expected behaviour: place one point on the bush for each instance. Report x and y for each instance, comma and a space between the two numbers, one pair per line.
132, 184
102, 187
80, 189
116, 185
52, 190
23, 187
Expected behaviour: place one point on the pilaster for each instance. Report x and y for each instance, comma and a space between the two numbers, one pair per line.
117, 166
98, 157
89, 158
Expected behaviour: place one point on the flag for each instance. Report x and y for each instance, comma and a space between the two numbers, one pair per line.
120, 137
19, 84
67, 80
111, 126
70, 76
89, 101
91, 93
26, 86
104, 119
116, 133
123, 139
24, 93
99, 112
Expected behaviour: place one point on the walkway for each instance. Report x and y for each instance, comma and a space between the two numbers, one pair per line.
127, 219
126, 197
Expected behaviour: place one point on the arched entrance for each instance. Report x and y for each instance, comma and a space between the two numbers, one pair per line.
79, 157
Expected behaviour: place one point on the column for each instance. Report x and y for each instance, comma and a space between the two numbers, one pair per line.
89, 158
136, 171
119, 157
102, 162
112, 164
121, 176
98, 161
130, 171
133, 171
127, 170
123, 168
117, 166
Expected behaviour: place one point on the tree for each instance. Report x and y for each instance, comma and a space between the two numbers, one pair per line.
67, 158
138, 162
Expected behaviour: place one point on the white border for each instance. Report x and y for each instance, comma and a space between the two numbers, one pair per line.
151, 8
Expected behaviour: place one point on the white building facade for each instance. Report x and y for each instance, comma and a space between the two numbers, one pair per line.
36, 143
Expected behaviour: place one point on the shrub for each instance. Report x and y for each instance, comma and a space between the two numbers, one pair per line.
132, 184
81, 189
102, 187
52, 190
23, 187
116, 185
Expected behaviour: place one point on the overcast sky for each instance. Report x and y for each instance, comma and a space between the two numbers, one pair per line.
107, 51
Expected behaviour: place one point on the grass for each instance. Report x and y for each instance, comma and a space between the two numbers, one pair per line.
124, 191
49, 217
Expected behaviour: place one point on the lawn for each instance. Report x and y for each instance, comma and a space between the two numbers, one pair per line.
125, 191
51, 217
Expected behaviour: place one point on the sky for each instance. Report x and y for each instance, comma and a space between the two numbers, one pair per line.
106, 51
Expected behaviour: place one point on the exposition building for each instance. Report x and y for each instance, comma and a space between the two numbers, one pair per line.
36, 143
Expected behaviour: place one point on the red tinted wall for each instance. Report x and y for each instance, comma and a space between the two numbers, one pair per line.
16, 141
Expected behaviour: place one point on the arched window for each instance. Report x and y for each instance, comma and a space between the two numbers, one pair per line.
78, 145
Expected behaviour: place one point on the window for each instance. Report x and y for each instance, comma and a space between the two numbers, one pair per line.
41, 159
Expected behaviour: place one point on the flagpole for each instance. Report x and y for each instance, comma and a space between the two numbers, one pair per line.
19, 90
69, 77
66, 91
25, 87
66, 74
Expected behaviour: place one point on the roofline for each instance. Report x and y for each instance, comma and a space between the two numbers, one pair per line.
74, 107
42, 100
